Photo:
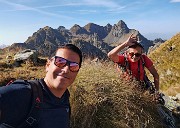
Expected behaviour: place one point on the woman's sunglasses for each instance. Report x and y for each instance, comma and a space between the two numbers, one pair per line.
135, 54
61, 62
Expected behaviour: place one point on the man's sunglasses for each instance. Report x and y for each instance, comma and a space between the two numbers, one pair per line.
61, 62
135, 54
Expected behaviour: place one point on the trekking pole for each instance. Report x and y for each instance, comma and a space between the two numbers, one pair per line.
167, 118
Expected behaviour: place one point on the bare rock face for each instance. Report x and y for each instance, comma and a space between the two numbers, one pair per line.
118, 31
76, 29
26, 56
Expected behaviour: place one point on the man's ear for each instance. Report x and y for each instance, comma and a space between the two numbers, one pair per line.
47, 64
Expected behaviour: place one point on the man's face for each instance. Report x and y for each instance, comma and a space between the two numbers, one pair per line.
134, 53
61, 77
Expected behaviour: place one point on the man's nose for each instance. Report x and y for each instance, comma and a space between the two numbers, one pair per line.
66, 69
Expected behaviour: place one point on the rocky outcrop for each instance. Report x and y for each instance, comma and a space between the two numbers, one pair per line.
156, 43
26, 55
172, 103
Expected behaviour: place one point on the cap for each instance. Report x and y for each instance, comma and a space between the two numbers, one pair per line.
136, 44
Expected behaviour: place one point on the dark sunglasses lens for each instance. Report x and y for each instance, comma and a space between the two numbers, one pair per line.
131, 54
74, 67
60, 62
137, 54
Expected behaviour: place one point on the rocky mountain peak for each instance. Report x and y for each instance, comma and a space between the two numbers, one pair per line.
76, 29
122, 24
76, 26
158, 40
100, 31
121, 27
47, 28
108, 27
90, 27
61, 28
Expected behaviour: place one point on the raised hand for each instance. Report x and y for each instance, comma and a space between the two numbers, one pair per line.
131, 40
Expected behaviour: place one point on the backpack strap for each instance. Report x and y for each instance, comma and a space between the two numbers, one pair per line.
4, 125
143, 64
147, 82
37, 99
126, 66
139, 70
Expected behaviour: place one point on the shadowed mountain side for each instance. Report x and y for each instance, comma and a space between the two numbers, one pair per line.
92, 51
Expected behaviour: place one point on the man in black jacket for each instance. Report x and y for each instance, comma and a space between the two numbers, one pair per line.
54, 111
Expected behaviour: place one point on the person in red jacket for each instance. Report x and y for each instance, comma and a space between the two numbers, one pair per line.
134, 60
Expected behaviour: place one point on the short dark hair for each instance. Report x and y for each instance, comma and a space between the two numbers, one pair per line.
73, 48
135, 45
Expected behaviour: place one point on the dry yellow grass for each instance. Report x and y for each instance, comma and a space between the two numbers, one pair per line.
99, 98
167, 61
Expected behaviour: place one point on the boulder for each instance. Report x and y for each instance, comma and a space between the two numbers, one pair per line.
26, 55
178, 96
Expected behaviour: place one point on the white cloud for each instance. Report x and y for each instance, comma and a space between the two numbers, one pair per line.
21, 7
87, 11
101, 3
104, 3
174, 1
60, 5
111, 6
16, 6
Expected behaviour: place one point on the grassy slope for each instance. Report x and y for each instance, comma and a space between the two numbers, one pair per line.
167, 61
99, 98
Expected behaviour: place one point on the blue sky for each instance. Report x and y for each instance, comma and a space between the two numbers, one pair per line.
153, 18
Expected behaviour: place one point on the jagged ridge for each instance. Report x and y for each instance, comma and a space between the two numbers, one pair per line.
101, 39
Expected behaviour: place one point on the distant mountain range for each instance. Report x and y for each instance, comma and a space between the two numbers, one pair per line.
3, 46
94, 40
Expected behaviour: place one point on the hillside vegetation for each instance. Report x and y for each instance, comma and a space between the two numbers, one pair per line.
99, 98
167, 61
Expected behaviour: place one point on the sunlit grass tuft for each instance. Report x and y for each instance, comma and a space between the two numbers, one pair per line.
100, 99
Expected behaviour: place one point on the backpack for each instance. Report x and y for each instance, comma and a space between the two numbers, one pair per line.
147, 84
37, 98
